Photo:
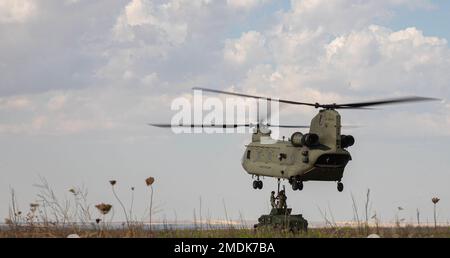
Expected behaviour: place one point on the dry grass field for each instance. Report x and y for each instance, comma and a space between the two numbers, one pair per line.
51, 217
140, 232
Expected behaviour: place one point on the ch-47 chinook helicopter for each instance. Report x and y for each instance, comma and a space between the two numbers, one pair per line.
319, 155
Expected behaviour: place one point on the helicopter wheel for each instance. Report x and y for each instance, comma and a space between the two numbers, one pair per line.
260, 184
257, 184
297, 185
340, 186
300, 185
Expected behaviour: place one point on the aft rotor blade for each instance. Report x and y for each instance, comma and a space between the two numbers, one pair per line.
255, 97
384, 102
201, 126
355, 105
307, 126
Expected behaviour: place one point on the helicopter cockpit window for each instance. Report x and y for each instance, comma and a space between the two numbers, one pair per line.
248, 154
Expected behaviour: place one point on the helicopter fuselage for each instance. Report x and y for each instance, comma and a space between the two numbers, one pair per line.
283, 160
325, 160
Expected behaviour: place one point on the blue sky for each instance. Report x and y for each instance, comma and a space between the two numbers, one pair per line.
80, 80
433, 21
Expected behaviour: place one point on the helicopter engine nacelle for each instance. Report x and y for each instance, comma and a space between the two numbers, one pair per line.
347, 141
296, 139
310, 139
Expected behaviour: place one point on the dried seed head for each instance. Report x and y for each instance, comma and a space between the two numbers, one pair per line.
435, 200
103, 208
149, 181
112, 182
8, 221
33, 207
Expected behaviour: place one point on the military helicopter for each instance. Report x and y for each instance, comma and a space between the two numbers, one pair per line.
319, 155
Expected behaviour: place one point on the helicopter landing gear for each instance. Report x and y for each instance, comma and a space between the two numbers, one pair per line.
340, 186
297, 185
257, 184
300, 185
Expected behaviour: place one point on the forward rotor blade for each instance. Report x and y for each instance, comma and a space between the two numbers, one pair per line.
289, 126
227, 126
255, 97
384, 102
356, 108
201, 126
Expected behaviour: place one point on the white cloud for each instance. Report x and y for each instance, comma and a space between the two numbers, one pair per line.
16, 11
343, 57
245, 4
380, 59
139, 12
308, 48
249, 48
143, 16
12, 103
298, 47
339, 16
150, 79
301, 57
148, 36
82, 111
57, 102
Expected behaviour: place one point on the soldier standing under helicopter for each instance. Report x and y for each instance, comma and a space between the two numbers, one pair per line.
282, 200
272, 200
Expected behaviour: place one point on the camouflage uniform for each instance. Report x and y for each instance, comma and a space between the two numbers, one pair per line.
272, 200
282, 203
